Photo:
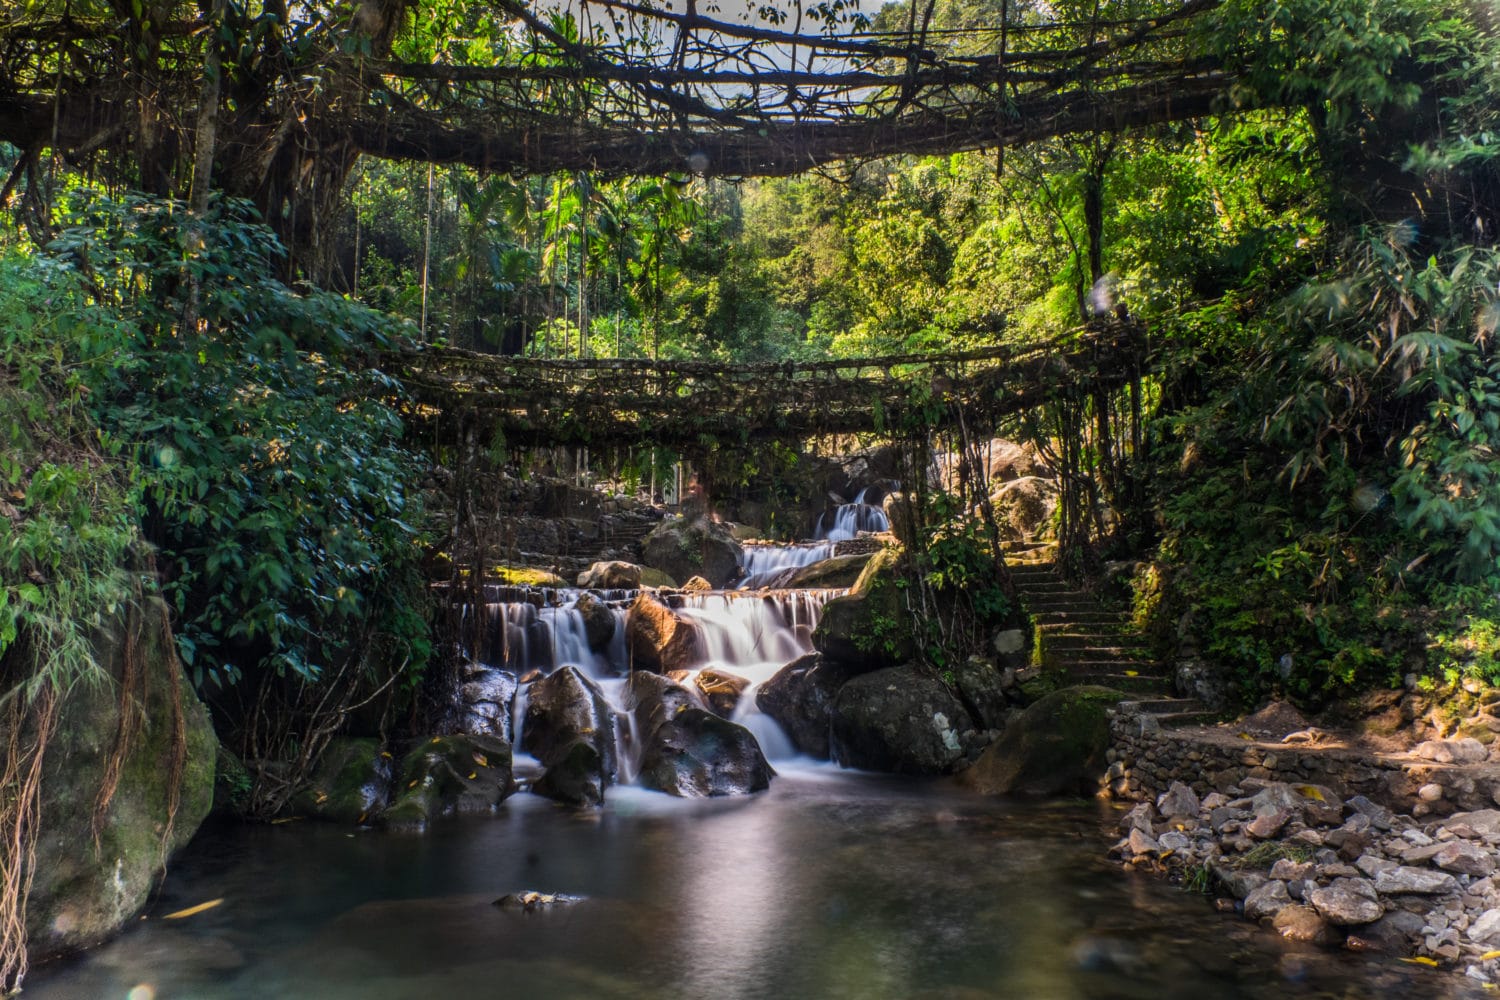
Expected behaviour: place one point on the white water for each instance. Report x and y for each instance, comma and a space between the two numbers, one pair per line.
767, 564
748, 635
850, 519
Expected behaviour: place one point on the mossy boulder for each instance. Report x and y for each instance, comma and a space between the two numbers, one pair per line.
350, 784
566, 709
700, 546
449, 775
868, 628
833, 573
696, 754
1055, 747
800, 698
898, 719
527, 576
598, 621
88, 878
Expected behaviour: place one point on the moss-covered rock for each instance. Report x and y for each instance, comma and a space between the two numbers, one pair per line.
696, 754
700, 546
868, 628
351, 783
89, 879
800, 698
1055, 747
829, 574
448, 775
527, 576
898, 719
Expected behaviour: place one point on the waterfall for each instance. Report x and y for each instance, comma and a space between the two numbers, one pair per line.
767, 564
849, 519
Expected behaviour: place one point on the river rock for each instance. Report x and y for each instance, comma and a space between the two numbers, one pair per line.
653, 699
658, 638
981, 687
1055, 747
1178, 801
486, 697
800, 698
1415, 881
1296, 922
448, 775
721, 690
697, 754
350, 784
1267, 900
577, 775
1347, 902
612, 575
1484, 822
900, 720
84, 889
563, 709
598, 621
700, 546
1464, 858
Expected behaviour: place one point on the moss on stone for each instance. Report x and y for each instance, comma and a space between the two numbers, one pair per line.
1055, 747
526, 576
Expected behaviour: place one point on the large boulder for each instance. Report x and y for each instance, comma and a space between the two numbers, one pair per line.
869, 627
1008, 460
800, 698
720, 690
653, 700
980, 685
1027, 505
350, 784
697, 754
700, 546
89, 877
486, 696
612, 575
1056, 746
598, 621
450, 775
900, 720
563, 709
834, 573
658, 638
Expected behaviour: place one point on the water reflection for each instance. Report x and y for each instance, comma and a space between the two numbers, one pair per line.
831, 885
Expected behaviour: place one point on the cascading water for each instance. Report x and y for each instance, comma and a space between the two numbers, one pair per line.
768, 565
534, 632
848, 520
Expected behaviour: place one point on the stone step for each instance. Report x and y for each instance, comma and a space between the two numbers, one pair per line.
1055, 621
1050, 588
1141, 684
1053, 643
1052, 605
1175, 720
1166, 706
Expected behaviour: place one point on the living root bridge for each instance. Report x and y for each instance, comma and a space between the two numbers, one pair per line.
541, 402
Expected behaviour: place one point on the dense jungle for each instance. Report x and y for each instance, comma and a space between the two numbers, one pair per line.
979, 416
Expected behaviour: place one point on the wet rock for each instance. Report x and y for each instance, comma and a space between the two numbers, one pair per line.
1395, 932
980, 687
1055, 747
697, 754
598, 621
613, 575
528, 901
1267, 900
350, 784
85, 889
1347, 902
565, 709
487, 696
653, 699
800, 698
578, 775
701, 546
1417, 881
1296, 922
449, 775
721, 690
1178, 800
659, 639
900, 720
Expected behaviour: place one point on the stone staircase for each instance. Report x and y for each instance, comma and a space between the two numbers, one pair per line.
1085, 642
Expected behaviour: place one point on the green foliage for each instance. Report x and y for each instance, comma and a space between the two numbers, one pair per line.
271, 472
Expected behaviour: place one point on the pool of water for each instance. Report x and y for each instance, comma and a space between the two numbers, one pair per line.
833, 884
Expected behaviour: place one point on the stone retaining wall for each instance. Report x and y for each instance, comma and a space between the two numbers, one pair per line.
1144, 760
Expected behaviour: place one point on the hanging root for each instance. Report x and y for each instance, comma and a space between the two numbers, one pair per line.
28, 725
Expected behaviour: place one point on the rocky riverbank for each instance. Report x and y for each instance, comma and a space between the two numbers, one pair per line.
1345, 872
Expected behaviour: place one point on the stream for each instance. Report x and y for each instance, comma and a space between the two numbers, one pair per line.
834, 883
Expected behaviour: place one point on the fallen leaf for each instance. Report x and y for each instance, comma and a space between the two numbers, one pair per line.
1431, 963
193, 910
1132, 673
1309, 792
1246, 736
1489, 955
481, 759
473, 775
412, 784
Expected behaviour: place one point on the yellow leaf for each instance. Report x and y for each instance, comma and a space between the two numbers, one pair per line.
481, 759
322, 798
1245, 736
473, 775
437, 739
1489, 955
193, 910
1431, 963
1132, 673
1309, 792
412, 784
386, 754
